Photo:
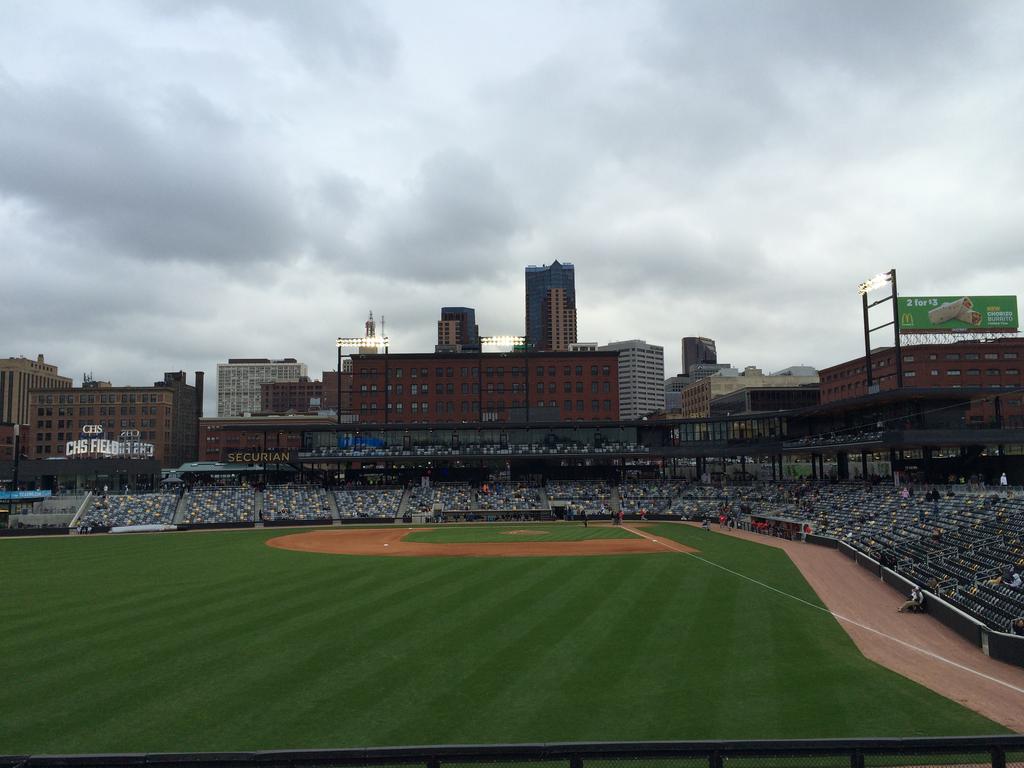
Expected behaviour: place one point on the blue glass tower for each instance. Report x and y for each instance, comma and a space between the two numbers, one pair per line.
540, 280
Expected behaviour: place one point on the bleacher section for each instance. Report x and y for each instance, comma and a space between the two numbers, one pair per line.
511, 497
962, 545
132, 509
219, 505
593, 496
295, 502
369, 502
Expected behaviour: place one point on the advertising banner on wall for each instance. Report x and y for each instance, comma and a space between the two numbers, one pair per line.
953, 314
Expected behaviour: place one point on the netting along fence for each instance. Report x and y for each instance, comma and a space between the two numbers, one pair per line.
994, 751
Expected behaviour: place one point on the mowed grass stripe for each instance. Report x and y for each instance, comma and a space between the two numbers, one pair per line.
245, 646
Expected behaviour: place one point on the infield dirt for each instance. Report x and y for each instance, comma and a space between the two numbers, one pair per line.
390, 543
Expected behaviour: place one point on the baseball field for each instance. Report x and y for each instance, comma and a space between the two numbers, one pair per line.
216, 641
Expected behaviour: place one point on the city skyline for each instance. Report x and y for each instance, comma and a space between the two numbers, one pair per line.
191, 182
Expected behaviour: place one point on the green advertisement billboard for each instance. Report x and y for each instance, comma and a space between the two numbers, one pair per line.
936, 314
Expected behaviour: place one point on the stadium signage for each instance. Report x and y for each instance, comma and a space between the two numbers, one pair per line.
258, 457
92, 429
98, 446
957, 314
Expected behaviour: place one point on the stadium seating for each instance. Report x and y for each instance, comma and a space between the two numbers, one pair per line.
511, 497
220, 505
131, 509
369, 502
295, 502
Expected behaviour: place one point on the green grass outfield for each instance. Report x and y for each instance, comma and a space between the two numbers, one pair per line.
214, 641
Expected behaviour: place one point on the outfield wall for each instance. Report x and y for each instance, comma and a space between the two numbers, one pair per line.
975, 751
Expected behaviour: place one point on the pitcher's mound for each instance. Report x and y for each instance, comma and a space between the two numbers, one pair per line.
384, 541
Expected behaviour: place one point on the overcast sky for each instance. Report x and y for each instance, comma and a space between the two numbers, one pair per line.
183, 181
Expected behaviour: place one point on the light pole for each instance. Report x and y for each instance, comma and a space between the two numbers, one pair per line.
17, 453
876, 282
363, 341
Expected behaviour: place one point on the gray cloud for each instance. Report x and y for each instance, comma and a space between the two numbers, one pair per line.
456, 222
177, 189
188, 181
318, 32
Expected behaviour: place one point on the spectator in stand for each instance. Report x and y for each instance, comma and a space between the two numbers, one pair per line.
1018, 627
1014, 580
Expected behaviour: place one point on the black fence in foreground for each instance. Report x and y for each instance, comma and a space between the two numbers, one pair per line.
994, 751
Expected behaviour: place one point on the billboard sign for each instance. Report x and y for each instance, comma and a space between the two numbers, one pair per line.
957, 314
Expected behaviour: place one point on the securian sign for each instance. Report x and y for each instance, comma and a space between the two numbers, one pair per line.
258, 457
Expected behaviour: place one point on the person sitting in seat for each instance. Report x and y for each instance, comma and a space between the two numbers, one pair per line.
915, 603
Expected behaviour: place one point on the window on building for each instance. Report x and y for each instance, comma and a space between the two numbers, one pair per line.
908, 358
567, 405
607, 405
552, 387
909, 374
1012, 372
935, 371
579, 405
973, 371
595, 405
953, 372
991, 371
1009, 356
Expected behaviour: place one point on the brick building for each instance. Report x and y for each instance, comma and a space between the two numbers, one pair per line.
165, 415
994, 366
223, 436
517, 386
302, 396
18, 377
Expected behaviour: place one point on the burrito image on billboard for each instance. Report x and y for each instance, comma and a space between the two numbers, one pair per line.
957, 314
969, 316
949, 310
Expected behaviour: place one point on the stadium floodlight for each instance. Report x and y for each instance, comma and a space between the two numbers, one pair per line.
496, 341
875, 282
363, 341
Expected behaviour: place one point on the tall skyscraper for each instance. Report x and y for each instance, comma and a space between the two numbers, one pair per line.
641, 377
698, 349
551, 307
457, 330
239, 380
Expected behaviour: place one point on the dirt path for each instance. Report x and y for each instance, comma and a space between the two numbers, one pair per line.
389, 542
914, 645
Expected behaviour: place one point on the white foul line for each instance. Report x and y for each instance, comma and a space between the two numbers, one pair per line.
674, 547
